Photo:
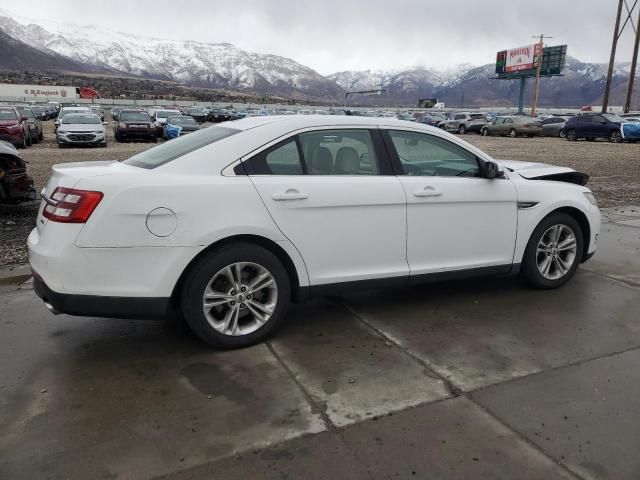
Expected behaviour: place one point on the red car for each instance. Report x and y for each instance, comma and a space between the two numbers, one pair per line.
14, 128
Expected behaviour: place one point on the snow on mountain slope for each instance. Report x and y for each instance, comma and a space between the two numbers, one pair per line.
219, 65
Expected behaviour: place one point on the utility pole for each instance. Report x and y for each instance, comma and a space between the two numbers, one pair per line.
614, 45
634, 62
539, 67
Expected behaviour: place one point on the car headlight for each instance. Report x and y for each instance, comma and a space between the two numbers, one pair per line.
63, 132
591, 197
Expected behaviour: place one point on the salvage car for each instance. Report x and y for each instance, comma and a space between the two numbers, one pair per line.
160, 117
457, 122
513, 126
198, 114
81, 129
16, 186
554, 127
33, 122
13, 127
230, 224
593, 126
66, 111
134, 125
179, 125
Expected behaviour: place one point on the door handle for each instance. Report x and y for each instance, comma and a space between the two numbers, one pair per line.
427, 191
290, 194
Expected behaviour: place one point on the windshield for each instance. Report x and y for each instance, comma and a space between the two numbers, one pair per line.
181, 121
166, 113
134, 117
8, 115
81, 119
613, 118
165, 153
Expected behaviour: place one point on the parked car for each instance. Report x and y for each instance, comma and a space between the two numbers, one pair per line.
16, 186
513, 126
13, 127
40, 112
81, 129
160, 118
218, 115
115, 111
229, 227
97, 109
198, 114
67, 110
432, 120
476, 125
179, 125
134, 125
33, 122
554, 127
592, 126
457, 122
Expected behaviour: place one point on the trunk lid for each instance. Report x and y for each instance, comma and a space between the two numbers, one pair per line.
69, 174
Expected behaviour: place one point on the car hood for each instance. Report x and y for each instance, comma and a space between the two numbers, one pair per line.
543, 171
81, 127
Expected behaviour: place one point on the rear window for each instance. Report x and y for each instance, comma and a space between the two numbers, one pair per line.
169, 151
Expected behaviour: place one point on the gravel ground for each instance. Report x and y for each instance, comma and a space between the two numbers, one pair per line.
614, 170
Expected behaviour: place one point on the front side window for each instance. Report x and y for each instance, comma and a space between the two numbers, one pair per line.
339, 152
422, 154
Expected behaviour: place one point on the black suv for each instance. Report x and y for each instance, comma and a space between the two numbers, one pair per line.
134, 125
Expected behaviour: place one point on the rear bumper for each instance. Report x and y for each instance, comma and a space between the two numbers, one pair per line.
146, 308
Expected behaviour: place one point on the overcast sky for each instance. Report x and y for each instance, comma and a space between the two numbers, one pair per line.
336, 35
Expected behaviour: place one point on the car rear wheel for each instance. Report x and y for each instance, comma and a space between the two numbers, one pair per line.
553, 252
485, 132
615, 136
513, 133
562, 134
462, 130
29, 141
236, 296
571, 135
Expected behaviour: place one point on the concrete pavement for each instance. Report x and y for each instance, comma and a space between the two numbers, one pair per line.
473, 379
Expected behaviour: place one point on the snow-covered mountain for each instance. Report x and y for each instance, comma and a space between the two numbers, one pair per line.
219, 65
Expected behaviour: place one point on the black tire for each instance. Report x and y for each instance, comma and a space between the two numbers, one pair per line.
462, 129
23, 144
615, 136
513, 133
62, 145
485, 132
207, 267
103, 145
29, 140
41, 136
562, 133
529, 267
116, 137
571, 135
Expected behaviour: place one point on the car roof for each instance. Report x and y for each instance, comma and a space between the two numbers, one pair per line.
305, 121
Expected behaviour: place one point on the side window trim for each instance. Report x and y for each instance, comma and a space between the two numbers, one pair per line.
395, 158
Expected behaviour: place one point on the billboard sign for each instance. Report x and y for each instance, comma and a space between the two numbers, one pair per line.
523, 61
522, 58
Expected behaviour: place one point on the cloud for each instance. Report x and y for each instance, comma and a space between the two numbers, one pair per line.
336, 35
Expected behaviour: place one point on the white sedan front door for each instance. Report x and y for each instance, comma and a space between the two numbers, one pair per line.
456, 220
334, 197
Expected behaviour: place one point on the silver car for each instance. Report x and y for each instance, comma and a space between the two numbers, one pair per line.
81, 129
554, 127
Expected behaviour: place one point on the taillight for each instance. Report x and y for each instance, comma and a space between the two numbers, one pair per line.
69, 205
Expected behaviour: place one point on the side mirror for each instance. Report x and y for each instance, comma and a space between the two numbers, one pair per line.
490, 170
24, 119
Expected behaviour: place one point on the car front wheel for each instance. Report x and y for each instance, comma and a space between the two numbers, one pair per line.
553, 252
615, 136
236, 296
485, 132
571, 135
462, 130
513, 133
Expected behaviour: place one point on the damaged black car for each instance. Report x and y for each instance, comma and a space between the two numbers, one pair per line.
16, 186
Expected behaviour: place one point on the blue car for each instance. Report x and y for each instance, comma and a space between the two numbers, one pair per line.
592, 126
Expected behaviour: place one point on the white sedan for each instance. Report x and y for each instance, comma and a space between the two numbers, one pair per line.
231, 223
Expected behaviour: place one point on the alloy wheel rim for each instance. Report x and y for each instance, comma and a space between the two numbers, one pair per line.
556, 252
240, 298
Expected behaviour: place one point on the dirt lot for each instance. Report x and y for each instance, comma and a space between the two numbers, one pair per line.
614, 170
